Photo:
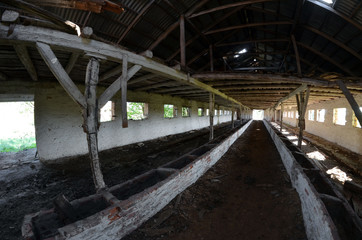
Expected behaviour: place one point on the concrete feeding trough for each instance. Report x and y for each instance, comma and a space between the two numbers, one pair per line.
326, 213
114, 213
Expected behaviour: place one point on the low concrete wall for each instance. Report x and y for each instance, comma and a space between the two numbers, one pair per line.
316, 218
123, 216
346, 136
59, 132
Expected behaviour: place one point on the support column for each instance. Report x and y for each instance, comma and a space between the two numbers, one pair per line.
91, 116
302, 102
232, 118
281, 116
211, 115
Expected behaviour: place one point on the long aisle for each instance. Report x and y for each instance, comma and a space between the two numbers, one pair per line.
246, 195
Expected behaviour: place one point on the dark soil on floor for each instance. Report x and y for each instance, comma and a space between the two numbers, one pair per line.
246, 195
28, 186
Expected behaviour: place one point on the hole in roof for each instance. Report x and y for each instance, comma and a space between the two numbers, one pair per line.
236, 56
243, 51
326, 1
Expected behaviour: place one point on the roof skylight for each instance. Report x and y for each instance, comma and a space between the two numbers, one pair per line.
242, 51
327, 1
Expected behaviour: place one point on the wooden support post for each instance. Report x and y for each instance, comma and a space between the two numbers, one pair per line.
211, 53
124, 92
211, 115
91, 121
232, 118
182, 41
351, 101
302, 102
60, 74
281, 117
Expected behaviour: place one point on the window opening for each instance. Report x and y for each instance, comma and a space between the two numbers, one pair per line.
169, 111
17, 126
186, 112
311, 115
137, 110
107, 112
200, 112
321, 115
339, 116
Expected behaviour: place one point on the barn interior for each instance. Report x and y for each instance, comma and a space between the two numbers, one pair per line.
183, 119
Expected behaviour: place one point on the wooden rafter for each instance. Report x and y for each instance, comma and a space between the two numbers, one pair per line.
135, 20
96, 6
335, 12
322, 55
253, 41
24, 57
247, 26
226, 6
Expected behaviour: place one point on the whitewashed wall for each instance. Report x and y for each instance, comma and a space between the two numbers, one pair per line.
58, 123
346, 136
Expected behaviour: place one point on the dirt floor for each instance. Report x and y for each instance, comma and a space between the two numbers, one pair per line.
246, 195
27, 186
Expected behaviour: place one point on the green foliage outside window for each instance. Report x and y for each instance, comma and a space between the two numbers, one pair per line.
168, 111
136, 110
185, 111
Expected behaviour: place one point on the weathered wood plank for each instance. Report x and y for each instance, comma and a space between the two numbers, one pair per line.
60, 74
124, 92
25, 59
297, 59
292, 94
211, 114
9, 16
115, 86
72, 60
68, 42
351, 100
91, 121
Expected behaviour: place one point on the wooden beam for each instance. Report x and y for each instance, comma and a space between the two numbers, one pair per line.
135, 21
335, 12
124, 91
316, 52
351, 100
116, 85
60, 74
143, 78
64, 24
115, 71
182, 41
25, 59
211, 115
71, 62
164, 35
214, 23
155, 85
261, 77
292, 94
333, 40
91, 121
248, 25
226, 6
296, 55
96, 6
66, 42
253, 41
